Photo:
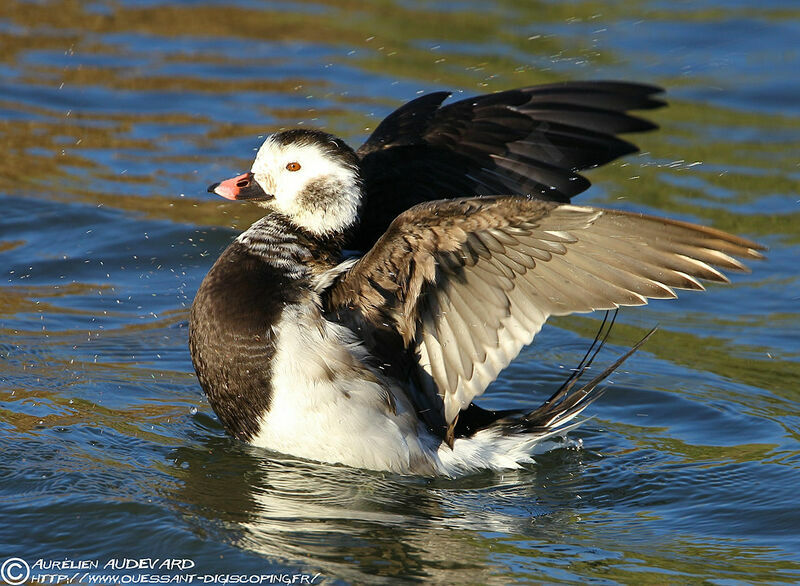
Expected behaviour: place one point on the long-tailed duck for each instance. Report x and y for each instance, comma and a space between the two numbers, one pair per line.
375, 361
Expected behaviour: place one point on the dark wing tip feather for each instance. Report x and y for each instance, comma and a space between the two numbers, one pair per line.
527, 141
608, 95
406, 125
629, 88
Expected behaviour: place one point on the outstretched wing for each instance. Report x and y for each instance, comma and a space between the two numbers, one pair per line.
468, 282
528, 141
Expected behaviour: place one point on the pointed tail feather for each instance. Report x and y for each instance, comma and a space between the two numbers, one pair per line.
554, 401
563, 406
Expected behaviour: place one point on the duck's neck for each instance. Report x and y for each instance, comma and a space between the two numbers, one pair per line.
280, 243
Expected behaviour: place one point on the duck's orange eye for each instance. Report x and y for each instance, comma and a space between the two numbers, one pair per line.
294, 166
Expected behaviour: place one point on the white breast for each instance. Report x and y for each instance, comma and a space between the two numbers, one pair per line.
328, 406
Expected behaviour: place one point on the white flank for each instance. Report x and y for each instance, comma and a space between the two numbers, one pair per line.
328, 406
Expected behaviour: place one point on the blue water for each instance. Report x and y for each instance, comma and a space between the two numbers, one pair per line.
115, 116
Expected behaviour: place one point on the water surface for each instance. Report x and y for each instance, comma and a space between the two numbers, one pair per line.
115, 116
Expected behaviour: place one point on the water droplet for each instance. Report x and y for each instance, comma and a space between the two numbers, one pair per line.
193, 410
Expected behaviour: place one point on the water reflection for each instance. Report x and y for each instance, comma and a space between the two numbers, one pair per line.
361, 526
354, 524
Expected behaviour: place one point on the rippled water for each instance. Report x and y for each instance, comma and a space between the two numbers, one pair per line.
114, 116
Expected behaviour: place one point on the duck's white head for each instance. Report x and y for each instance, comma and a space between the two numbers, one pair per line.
309, 176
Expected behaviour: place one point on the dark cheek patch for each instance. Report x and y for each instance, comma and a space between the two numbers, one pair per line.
319, 194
